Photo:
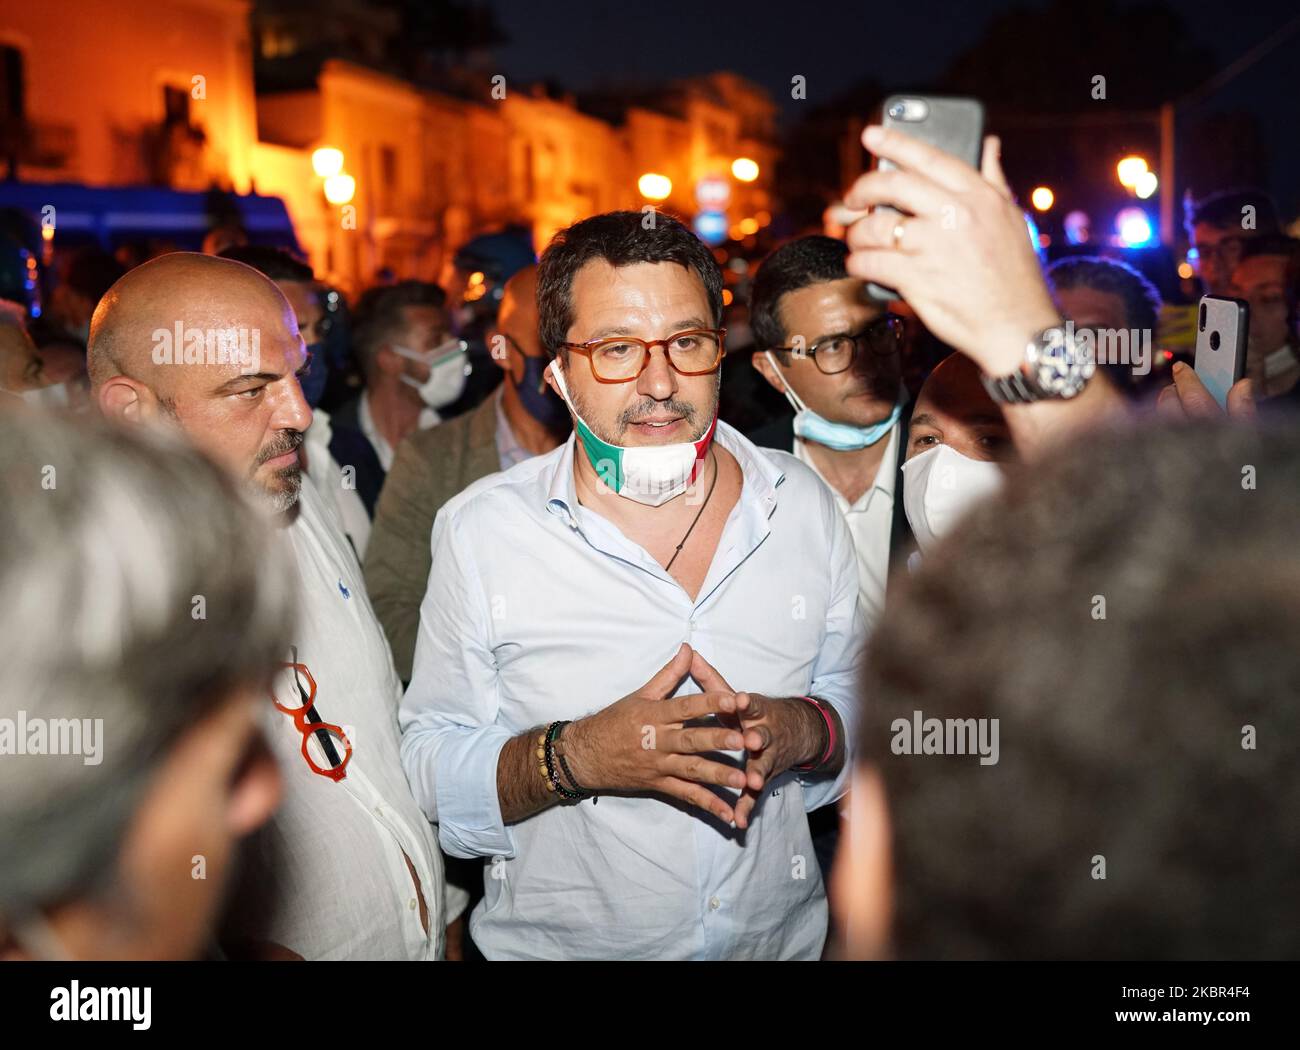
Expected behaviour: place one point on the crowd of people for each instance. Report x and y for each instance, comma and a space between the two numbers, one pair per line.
463, 622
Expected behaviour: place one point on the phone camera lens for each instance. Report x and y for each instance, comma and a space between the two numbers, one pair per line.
1214, 340
897, 110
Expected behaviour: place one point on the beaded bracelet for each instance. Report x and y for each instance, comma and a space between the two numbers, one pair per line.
812, 767
564, 765
548, 754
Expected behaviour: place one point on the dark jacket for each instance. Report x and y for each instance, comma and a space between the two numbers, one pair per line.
351, 448
431, 466
779, 433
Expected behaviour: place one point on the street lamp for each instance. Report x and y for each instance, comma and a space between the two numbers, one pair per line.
327, 161
1130, 169
339, 188
654, 187
1146, 184
1042, 198
744, 169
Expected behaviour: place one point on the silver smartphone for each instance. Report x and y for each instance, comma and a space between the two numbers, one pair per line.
1222, 326
954, 125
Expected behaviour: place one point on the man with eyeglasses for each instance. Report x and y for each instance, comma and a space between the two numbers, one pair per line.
836, 356
659, 557
1219, 227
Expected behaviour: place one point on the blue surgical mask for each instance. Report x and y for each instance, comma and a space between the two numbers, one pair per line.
313, 383
537, 399
841, 437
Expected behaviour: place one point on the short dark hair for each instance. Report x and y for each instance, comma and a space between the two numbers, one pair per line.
379, 313
620, 238
1141, 300
275, 263
92, 272
795, 265
1223, 209
1122, 733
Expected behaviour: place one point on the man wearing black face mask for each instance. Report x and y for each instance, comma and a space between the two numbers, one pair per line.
520, 420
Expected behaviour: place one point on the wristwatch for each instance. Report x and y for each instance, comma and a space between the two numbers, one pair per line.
1055, 366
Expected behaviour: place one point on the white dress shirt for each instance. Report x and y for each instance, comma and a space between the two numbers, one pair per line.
385, 452
870, 519
539, 609
329, 878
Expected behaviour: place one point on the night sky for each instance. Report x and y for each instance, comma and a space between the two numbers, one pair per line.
837, 42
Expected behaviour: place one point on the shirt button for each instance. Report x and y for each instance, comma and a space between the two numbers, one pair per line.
714, 903
412, 904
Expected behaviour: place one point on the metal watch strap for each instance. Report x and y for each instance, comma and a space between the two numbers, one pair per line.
1010, 389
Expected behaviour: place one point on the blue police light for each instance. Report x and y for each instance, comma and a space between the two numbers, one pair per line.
1134, 228
711, 227
1035, 238
1077, 226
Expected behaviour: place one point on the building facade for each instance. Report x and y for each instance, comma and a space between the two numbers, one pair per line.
161, 92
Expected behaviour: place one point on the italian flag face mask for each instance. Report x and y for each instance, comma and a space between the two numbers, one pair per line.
649, 474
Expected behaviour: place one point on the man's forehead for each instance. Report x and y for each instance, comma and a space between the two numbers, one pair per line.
1204, 231
423, 315
842, 298
604, 294
640, 281
1083, 303
300, 293
954, 390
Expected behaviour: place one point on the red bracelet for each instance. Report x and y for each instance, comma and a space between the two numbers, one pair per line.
830, 737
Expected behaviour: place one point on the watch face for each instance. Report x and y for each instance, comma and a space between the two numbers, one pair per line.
1059, 366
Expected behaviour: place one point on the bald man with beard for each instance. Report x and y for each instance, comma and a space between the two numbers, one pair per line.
349, 867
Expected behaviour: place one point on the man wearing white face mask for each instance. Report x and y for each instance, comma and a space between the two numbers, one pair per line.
413, 367
958, 445
836, 356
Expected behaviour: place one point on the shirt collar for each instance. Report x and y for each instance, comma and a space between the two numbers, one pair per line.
366, 420
886, 474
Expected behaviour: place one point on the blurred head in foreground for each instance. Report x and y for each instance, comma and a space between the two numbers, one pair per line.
143, 616
1112, 643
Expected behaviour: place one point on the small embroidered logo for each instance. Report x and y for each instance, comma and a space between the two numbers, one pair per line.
344, 591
